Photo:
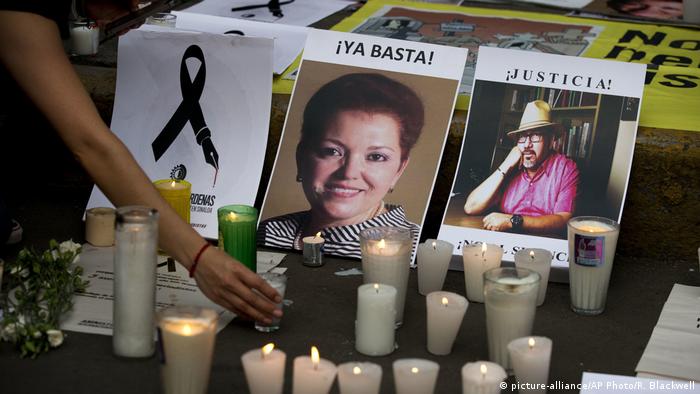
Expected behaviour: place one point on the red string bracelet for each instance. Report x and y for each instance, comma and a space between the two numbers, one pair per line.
193, 267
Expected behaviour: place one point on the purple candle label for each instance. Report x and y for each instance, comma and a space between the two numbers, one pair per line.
589, 251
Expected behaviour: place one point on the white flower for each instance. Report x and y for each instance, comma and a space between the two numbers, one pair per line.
8, 333
37, 334
68, 246
54, 255
55, 337
76, 259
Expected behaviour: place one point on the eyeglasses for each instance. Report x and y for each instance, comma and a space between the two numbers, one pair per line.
533, 138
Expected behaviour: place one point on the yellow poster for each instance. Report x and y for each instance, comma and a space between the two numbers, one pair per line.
671, 95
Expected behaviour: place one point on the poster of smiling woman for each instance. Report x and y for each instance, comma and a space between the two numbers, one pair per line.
548, 137
362, 140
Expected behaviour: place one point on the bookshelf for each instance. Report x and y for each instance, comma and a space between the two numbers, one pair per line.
575, 112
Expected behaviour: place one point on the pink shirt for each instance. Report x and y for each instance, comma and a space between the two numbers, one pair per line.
551, 190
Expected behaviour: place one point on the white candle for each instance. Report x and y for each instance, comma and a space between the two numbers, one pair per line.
530, 359
374, 327
479, 258
482, 377
359, 378
135, 260
415, 376
85, 37
188, 347
433, 259
99, 226
313, 250
592, 243
264, 369
540, 261
510, 298
313, 375
445, 313
386, 258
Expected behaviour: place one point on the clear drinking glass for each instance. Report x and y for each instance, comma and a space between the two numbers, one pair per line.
592, 243
186, 335
510, 296
279, 283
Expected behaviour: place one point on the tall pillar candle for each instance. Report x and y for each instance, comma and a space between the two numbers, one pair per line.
187, 335
482, 377
264, 369
359, 378
415, 376
540, 261
510, 298
313, 375
135, 260
433, 261
99, 226
592, 243
479, 258
386, 258
177, 193
237, 224
445, 313
530, 358
374, 327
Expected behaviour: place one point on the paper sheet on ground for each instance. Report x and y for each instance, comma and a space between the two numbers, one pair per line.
92, 311
298, 13
289, 40
599, 383
674, 346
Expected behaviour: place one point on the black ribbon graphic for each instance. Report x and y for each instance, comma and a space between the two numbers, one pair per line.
189, 110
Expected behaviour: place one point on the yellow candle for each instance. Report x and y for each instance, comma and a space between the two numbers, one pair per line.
177, 193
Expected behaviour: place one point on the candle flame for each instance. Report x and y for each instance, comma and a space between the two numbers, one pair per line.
434, 245
483, 248
186, 329
531, 343
267, 349
172, 184
483, 370
381, 244
445, 301
232, 216
318, 234
356, 370
315, 358
532, 254
414, 370
376, 287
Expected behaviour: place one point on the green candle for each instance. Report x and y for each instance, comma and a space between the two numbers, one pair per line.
237, 225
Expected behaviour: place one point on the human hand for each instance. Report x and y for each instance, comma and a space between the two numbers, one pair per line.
512, 160
497, 221
233, 286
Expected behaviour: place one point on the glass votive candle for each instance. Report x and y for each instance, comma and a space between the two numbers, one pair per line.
237, 226
177, 193
164, 19
510, 296
386, 258
187, 335
279, 283
99, 226
84, 37
433, 258
592, 243
540, 261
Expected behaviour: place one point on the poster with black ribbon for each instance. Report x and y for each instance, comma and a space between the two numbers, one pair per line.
195, 107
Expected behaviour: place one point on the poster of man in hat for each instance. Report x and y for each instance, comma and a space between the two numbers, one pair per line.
548, 138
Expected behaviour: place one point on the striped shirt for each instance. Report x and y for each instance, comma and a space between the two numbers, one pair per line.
281, 231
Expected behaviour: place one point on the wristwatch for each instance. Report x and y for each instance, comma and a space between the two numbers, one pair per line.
516, 221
